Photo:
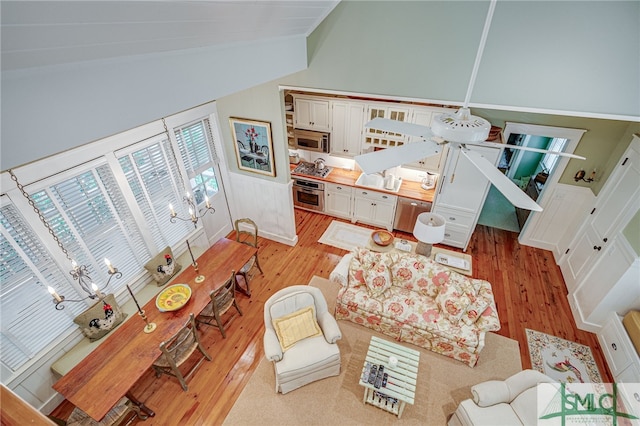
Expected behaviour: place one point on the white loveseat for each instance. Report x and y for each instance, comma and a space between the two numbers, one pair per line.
509, 402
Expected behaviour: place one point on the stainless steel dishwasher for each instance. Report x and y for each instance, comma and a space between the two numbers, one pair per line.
407, 211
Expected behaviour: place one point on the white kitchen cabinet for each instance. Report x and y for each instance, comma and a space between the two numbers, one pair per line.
424, 116
312, 114
347, 120
462, 190
338, 200
615, 205
374, 208
379, 138
622, 358
610, 285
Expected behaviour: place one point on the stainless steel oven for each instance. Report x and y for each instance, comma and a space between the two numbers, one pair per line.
308, 194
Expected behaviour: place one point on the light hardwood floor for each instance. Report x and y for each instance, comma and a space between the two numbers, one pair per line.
528, 287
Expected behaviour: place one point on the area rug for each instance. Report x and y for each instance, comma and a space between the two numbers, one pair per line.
345, 236
442, 384
562, 360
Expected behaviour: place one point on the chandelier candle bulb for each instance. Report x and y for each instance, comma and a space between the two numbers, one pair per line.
74, 264
54, 294
172, 211
112, 270
95, 288
140, 311
206, 200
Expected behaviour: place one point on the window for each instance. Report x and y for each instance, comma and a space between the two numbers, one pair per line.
91, 219
151, 173
29, 321
549, 161
198, 156
94, 218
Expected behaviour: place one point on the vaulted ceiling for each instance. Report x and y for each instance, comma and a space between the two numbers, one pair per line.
43, 33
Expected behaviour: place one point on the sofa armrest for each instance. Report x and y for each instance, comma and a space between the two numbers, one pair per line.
340, 273
491, 392
488, 320
524, 380
329, 327
272, 348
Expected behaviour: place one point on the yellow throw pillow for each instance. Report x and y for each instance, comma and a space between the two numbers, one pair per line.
296, 326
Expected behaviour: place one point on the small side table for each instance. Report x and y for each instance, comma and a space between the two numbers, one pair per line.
469, 272
401, 383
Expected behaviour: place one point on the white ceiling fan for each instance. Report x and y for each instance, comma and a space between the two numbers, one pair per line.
461, 131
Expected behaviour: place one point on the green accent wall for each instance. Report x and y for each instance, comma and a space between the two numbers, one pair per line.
632, 232
387, 48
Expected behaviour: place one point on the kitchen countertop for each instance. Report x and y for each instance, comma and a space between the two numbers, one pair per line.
408, 189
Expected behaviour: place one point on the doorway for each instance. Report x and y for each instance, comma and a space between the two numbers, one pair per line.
533, 172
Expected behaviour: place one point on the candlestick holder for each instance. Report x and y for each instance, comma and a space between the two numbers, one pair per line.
199, 278
150, 325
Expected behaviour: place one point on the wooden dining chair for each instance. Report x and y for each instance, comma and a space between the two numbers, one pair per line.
177, 350
123, 413
222, 300
247, 233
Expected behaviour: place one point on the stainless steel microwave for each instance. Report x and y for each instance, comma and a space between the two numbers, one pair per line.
312, 141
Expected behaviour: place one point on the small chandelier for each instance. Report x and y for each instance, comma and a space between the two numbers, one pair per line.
78, 272
193, 216
187, 198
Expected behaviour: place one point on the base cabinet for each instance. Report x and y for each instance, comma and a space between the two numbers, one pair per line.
374, 208
622, 358
338, 200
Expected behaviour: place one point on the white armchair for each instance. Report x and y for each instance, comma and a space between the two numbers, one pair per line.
503, 402
300, 337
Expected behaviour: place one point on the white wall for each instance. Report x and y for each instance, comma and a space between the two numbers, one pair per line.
52, 109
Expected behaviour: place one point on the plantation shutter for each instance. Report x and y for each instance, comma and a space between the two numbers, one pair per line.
151, 173
93, 222
29, 320
198, 155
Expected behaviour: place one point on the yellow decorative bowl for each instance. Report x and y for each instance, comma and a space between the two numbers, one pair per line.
382, 238
173, 297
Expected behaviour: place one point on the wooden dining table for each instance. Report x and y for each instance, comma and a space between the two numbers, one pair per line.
107, 374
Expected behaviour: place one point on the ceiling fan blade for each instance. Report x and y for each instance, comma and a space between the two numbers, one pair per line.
395, 126
384, 159
525, 148
515, 195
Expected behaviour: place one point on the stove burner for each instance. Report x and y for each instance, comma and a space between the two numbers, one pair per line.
309, 169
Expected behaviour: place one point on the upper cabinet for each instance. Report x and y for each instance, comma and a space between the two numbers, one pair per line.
378, 138
312, 114
347, 123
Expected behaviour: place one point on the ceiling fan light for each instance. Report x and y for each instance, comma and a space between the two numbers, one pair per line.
461, 127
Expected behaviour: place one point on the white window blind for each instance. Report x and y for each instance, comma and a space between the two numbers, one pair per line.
198, 155
29, 321
151, 173
91, 218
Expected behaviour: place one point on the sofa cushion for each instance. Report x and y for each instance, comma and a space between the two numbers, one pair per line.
418, 273
378, 279
296, 326
453, 303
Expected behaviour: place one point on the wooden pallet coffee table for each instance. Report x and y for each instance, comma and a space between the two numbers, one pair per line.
401, 384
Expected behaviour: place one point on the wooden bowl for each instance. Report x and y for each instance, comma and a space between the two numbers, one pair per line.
382, 238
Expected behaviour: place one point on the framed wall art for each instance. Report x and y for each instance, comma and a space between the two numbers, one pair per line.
253, 145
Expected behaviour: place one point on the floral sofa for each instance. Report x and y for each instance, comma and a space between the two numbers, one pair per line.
413, 299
